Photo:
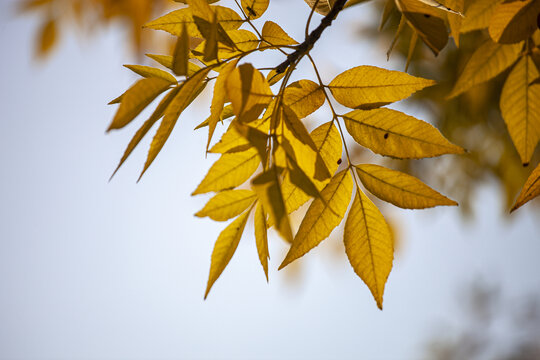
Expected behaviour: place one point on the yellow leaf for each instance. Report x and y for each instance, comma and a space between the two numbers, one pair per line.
151, 72
47, 37
229, 171
427, 21
189, 90
249, 92
174, 21
520, 107
180, 60
243, 41
369, 86
136, 98
227, 204
488, 61
261, 238
389, 7
167, 61
477, 14
322, 216
273, 77
219, 98
224, 249
323, 6
275, 35
530, 190
369, 245
329, 145
226, 113
399, 189
303, 97
393, 133
255, 8
436, 4
156, 115
455, 20
268, 189
233, 141
514, 21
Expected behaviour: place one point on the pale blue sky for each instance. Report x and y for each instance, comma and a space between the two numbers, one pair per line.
97, 270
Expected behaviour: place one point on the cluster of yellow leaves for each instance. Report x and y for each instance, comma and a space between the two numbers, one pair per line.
513, 42
269, 163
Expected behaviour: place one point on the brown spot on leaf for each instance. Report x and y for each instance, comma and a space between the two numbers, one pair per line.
386, 136
339, 161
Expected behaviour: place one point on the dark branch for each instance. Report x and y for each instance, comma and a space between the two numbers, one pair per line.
306, 46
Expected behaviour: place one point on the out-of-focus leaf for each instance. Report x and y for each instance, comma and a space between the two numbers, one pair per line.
478, 14
369, 245
225, 248
46, 37
520, 107
455, 20
368, 87
514, 21
322, 217
227, 204
488, 61
530, 190
323, 6
393, 133
400, 189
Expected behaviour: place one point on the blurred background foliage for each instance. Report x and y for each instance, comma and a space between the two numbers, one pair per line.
472, 120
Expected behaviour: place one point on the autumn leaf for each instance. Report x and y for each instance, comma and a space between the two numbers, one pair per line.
455, 20
520, 107
322, 217
249, 92
227, 204
136, 98
399, 189
304, 97
514, 21
225, 248
229, 171
261, 238
254, 8
478, 13
275, 35
369, 245
180, 58
323, 6
393, 133
530, 190
368, 87
151, 72
488, 61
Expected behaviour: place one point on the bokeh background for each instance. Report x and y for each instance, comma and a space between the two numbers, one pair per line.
92, 269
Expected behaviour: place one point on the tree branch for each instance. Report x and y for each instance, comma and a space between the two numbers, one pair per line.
307, 45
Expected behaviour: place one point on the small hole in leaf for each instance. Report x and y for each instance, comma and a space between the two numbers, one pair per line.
386, 136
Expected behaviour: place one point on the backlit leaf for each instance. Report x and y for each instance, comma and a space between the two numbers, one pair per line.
227, 204
275, 35
393, 133
530, 190
369, 86
514, 21
249, 92
520, 107
189, 90
323, 6
369, 245
229, 171
400, 189
454, 20
136, 98
167, 61
478, 14
180, 60
322, 216
261, 238
488, 61
225, 248
303, 97
233, 141
151, 72
255, 8
174, 21
268, 189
